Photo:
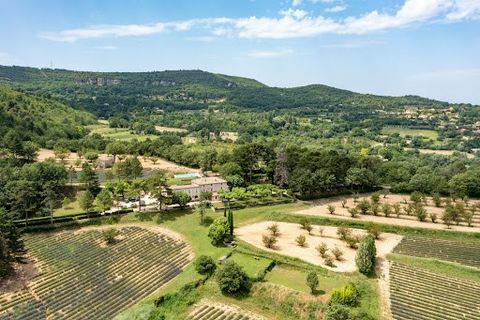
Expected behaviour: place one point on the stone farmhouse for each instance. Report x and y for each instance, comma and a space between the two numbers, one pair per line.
203, 184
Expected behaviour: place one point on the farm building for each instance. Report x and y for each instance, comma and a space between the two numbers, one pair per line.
203, 184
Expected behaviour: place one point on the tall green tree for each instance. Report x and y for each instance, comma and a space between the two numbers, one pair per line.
90, 179
158, 187
366, 255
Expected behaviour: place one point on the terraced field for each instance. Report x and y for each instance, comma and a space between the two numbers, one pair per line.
217, 311
418, 294
454, 251
81, 278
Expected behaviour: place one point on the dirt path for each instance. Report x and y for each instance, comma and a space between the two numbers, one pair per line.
383, 271
286, 244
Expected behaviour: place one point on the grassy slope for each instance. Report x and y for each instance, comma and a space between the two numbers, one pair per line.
429, 134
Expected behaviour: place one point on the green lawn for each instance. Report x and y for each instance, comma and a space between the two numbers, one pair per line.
429, 134
251, 264
296, 279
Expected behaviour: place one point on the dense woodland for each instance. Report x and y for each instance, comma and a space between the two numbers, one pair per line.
313, 140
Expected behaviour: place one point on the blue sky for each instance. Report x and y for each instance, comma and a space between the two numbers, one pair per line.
396, 47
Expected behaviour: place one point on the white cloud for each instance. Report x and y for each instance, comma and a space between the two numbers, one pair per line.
101, 31
296, 2
269, 53
292, 23
336, 9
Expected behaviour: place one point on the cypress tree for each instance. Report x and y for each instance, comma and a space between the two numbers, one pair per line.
230, 221
366, 254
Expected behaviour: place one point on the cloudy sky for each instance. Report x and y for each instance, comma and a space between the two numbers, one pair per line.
396, 47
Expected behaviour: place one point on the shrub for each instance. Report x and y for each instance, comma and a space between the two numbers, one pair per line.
375, 209
331, 209
459, 212
352, 241
232, 279
448, 214
205, 265
312, 281
338, 253
353, 212
219, 230
375, 198
469, 214
409, 209
337, 312
366, 253
301, 240
387, 209
433, 217
420, 212
322, 249
269, 240
306, 224
273, 228
437, 200
328, 260
347, 295
416, 197
364, 206
343, 233
109, 235
373, 229
397, 209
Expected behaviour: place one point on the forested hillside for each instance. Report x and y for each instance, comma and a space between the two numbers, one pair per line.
28, 122
107, 94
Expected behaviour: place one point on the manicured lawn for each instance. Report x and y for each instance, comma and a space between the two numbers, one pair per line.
296, 279
429, 134
252, 265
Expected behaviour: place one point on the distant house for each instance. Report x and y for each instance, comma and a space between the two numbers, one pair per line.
203, 184
224, 135
105, 162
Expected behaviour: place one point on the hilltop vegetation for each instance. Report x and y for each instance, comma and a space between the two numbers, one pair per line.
27, 120
108, 93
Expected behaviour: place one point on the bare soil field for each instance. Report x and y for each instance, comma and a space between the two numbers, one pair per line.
320, 209
286, 244
147, 163
22, 273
